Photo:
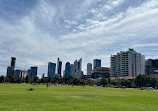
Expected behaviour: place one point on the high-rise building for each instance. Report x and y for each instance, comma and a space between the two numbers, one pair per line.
76, 65
96, 63
17, 73
67, 69
78, 74
32, 72
23, 73
72, 70
13, 60
129, 63
151, 66
89, 69
51, 69
29, 73
79, 64
59, 67
78, 68
10, 71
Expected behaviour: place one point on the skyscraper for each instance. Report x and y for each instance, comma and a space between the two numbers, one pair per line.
76, 65
78, 68
67, 69
128, 63
29, 73
13, 59
89, 68
10, 71
72, 70
51, 69
96, 63
80, 64
17, 73
59, 67
32, 72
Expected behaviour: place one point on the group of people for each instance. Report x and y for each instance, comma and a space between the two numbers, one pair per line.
61, 85
48, 84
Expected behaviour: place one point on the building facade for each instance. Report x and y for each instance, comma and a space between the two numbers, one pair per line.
76, 69
101, 72
10, 71
59, 67
151, 66
32, 72
67, 69
72, 70
96, 63
13, 60
129, 63
11, 68
89, 69
51, 69
17, 73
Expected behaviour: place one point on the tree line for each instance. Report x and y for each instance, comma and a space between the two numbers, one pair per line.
139, 81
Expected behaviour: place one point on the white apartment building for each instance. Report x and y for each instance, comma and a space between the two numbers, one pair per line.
128, 63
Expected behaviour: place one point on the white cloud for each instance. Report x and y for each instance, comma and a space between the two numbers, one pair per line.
116, 3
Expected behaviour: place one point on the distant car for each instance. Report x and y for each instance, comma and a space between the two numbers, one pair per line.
122, 87
116, 86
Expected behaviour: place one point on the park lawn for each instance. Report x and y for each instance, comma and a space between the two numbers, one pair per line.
15, 97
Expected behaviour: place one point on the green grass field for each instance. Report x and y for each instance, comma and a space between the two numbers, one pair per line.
15, 97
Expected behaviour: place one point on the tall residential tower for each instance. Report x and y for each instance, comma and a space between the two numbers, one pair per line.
129, 63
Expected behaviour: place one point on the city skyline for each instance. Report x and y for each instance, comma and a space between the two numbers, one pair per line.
99, 29
125, 64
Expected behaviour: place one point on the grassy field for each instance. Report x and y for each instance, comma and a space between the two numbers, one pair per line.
15, 97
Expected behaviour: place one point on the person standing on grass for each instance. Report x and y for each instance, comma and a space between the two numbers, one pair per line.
47, 85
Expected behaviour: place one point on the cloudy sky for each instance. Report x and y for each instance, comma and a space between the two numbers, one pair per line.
39, 31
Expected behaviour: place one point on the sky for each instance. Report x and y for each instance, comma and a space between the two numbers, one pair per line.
39, 31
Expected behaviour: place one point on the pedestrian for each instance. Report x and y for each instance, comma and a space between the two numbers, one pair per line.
47, 85
83, 85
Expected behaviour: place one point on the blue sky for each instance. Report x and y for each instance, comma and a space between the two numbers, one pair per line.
39, 31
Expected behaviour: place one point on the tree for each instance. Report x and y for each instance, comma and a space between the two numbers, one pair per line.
82, 82
49, 79
153, 82
103, 81
2, 79
143, 80
90, 82
35, 79
19, 80
10, 79
114, 82
140, 81
125, 82
27, 79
